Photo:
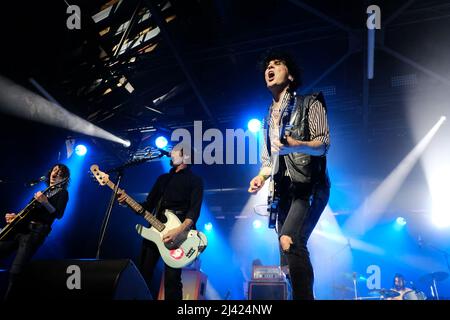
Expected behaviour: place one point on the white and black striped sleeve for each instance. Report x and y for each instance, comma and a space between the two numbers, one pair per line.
318, 124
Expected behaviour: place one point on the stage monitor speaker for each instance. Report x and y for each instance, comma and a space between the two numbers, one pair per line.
194, 285
270, 290
82, 279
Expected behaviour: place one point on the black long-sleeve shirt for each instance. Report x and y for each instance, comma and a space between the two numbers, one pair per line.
180, 191
58, 201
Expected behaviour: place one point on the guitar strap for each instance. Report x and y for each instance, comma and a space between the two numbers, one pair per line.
164, 188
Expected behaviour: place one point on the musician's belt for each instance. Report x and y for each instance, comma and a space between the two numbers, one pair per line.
37, 224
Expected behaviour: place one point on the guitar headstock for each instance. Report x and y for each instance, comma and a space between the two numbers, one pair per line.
101, 177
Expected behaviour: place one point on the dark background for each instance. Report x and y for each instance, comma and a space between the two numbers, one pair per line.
208, 60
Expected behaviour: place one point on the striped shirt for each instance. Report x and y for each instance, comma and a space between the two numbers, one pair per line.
318, 130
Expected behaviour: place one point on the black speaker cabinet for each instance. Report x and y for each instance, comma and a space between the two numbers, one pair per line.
81, 279
270, 290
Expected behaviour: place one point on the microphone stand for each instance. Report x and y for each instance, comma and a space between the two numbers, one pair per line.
355, 288
119, 170
445, 254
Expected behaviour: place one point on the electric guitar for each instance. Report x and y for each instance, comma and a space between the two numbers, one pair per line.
22, 217
273, 199
185, 249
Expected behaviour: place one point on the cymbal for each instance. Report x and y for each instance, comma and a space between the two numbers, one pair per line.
386, 293
367, 298
437, 276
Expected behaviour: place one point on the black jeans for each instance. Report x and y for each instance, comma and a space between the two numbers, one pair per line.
26, 242
173, 288
300, 209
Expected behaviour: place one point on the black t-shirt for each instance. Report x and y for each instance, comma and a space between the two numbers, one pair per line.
58, 201
180, 191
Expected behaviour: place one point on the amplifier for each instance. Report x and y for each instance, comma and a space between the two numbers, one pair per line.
267, 290
267, 273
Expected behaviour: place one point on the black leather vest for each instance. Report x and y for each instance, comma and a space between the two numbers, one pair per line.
304, 168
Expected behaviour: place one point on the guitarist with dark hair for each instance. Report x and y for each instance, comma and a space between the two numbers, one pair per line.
294, 158
27, 230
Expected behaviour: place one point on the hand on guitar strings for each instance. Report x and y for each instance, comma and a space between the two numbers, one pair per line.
40, 197
9, 217
172, 235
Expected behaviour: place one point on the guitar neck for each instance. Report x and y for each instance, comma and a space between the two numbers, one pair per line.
158, 225
34, 201
20, 216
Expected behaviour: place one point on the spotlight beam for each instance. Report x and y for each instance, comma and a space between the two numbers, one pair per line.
20, 102
355, 243
373, 207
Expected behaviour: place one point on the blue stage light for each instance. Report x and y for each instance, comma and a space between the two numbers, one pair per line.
80, 150
254, 125
401, 221
257, 224
208, 226
161, 142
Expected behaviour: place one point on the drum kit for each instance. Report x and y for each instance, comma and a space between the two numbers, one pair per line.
429, 279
